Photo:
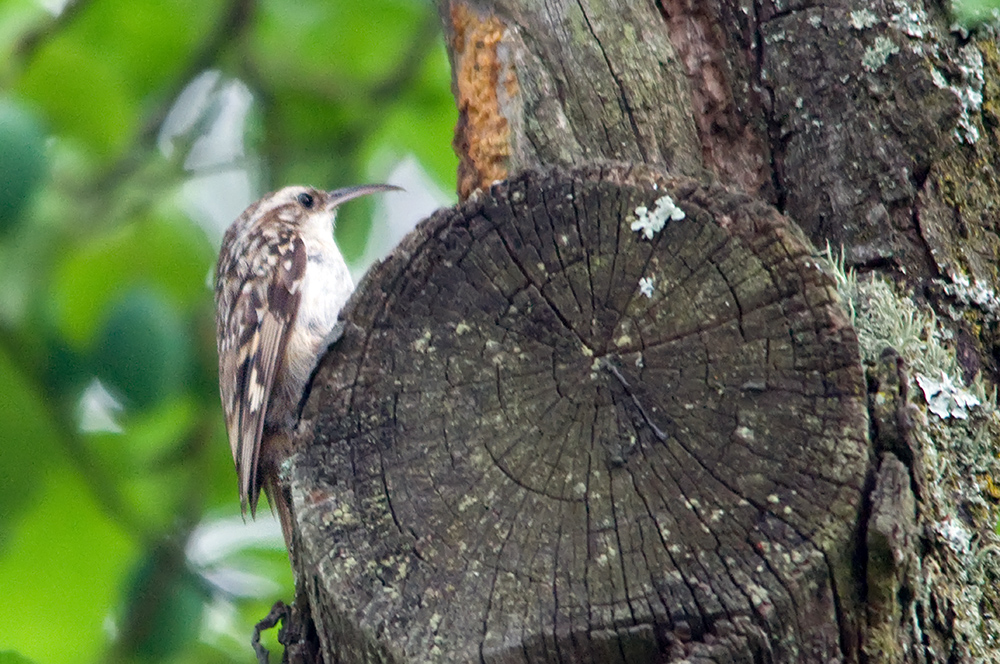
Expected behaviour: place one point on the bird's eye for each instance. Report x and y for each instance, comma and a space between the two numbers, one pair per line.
305, 200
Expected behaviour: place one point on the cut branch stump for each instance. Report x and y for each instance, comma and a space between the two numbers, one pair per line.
545, 437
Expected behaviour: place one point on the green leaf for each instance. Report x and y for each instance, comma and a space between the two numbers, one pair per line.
11, 657
362, 41
153, 435
64, 81
148, 43
422, 121
148, 438
313, 123
169, 254
17, 17
95, 75
221, 472
156, 458
28, 444
67, 371
64, 565
974, 12
354, 222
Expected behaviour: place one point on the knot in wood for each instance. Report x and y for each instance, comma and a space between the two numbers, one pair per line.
548, 434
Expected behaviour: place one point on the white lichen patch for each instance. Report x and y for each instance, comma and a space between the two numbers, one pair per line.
946, 399
938, 79
878, 54
955, 535
646, 286
912, 22
968, 88
468, 500
649, 223
423, 344
972, 294
862, 19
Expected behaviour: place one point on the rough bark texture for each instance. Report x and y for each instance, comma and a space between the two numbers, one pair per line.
562, 84
861, 121
523, 457
515, 455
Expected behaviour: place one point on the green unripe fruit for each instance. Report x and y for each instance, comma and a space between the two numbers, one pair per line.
142, 352
22, 161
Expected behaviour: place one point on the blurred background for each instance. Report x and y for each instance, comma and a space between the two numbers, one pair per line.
131, 135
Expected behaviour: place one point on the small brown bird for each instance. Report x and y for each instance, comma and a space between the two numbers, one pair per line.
280, 284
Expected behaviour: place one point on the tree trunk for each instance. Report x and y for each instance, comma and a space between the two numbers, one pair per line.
617, 407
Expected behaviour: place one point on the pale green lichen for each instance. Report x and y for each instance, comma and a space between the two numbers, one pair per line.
862, 19
957, 453
883, 317
878, 53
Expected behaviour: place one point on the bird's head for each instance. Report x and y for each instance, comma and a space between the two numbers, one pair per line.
304, 207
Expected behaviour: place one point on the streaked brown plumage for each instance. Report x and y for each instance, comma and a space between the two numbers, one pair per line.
280, 284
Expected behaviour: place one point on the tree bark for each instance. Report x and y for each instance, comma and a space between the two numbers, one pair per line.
550, 435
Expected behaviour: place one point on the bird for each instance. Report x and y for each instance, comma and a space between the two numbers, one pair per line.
280, 284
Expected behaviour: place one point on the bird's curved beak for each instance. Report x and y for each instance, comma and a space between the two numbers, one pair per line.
338, 196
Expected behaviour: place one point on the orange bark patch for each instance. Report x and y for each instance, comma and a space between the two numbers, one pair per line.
482, 136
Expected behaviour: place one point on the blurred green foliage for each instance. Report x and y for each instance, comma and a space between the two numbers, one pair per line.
120, 533
971, 13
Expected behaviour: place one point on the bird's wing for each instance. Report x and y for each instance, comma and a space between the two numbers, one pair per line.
261, 319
